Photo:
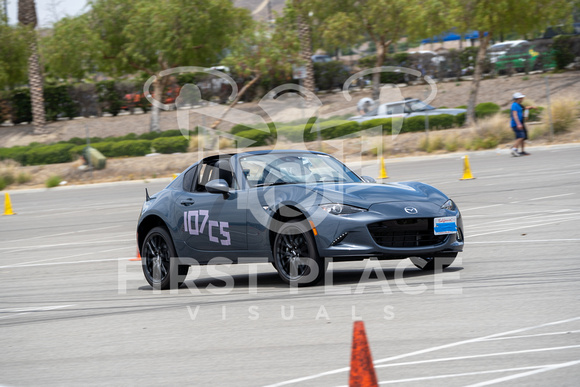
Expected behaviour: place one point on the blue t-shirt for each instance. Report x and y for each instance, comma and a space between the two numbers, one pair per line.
520, 110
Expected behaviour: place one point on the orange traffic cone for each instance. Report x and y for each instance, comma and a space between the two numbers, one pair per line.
8, 205
362, 371
138, 257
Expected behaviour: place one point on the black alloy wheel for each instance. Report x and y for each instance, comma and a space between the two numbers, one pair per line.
295, 255
158, 261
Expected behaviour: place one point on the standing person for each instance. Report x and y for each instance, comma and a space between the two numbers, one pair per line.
518, 115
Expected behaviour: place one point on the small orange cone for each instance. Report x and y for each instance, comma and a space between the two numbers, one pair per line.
383, 170
362, 371
466, 169
8, 205
138, 257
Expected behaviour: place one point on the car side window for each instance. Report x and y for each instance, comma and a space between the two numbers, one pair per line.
188, 179
213, 170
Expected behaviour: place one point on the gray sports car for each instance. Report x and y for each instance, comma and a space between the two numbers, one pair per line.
298, 209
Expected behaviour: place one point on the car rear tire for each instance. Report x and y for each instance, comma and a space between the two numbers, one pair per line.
159, 261
432, 263
295, 256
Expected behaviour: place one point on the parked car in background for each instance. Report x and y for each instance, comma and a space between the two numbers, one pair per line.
321, 58
500, 49
407, 108
534, 55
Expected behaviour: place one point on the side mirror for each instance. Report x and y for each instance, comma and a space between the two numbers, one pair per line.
368, 179
218, 186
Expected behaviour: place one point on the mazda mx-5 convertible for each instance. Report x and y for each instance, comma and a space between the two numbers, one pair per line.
295, 209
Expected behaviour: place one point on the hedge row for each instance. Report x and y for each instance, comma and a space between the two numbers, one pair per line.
337, 128
37, 154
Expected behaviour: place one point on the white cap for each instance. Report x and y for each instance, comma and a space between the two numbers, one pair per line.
518, 95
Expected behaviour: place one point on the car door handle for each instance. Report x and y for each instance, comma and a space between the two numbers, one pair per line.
187, 202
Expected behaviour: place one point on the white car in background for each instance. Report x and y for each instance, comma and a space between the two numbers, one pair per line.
407, 108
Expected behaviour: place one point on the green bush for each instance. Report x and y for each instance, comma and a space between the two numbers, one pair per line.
171, 133
21, 106
53, 181
240, 128
110, 98
129, 148
260, 138
563, 53
338, 128
23, 178
77, 141
170, 144
414, 124
442, 121
49, 154
460, 119
485, 109
3, 183
149, 136
298, 133
58, 102
386, 124
330, 75
535, 114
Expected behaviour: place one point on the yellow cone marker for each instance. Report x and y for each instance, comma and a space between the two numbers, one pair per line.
383, 170
466, 169
8, 206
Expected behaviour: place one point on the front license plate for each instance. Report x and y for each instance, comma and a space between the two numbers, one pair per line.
447, 225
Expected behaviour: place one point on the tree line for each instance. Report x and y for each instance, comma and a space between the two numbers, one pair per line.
142, 38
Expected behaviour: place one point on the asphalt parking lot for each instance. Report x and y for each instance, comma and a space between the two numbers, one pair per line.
75, 310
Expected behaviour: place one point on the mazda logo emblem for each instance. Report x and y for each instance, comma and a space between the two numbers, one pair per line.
411, 210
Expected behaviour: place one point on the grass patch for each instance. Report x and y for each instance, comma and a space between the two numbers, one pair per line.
564, 113
53, 181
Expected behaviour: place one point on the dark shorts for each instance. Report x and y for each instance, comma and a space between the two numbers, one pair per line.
521, 133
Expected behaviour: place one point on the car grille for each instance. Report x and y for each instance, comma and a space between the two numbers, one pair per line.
406, 233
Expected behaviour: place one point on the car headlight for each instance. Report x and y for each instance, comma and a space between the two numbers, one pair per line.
449, 205
341, 209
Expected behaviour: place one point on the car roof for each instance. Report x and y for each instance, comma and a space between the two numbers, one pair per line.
512, 42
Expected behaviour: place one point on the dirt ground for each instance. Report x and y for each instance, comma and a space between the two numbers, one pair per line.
449, 94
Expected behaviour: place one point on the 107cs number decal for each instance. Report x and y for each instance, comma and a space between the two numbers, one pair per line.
191, 223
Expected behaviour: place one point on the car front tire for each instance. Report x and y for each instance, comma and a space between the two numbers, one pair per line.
158, 260
295, 256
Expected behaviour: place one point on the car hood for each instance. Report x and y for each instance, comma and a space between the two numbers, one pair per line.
364, 195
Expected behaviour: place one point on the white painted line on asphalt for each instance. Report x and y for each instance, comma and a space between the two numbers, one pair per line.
479, 208
423, 378
536, 217
67, 257
65, 233
538, 335
476, 356
426, 350
14, 312
523, 227
553, 196
524, 374
17, 249
66, 263
526, 241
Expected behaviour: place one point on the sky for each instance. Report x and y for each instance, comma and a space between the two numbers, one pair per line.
48, 11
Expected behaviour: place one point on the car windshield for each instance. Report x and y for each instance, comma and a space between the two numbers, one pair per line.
419, 106
500, 47
289, 168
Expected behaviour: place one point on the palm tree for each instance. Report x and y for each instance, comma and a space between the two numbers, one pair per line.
27, 17
305, 37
